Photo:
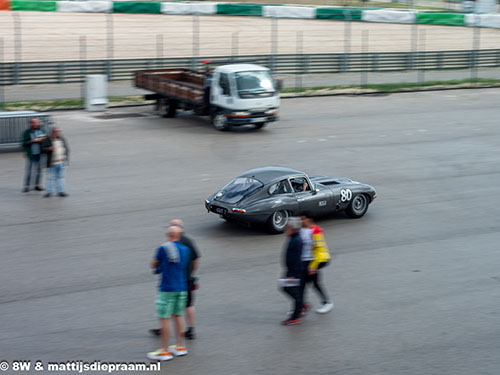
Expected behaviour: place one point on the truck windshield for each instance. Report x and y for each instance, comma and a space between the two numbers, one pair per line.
239, 188
253, 84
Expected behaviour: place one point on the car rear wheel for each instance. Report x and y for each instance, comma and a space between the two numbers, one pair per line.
277, 221
358, 206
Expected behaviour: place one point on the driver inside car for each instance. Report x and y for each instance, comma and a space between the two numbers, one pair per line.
299, 185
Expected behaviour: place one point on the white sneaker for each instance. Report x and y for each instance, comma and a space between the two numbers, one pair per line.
177, 350
325, 308
160, 355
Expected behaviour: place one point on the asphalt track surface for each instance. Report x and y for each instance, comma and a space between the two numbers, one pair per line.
415, 281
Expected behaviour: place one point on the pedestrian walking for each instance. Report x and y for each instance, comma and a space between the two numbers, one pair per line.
192, 266
293, 270
306, 257
57, 151
32, 139
172, 258
320, 259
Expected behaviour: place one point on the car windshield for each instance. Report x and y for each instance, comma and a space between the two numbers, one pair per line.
254, 82
239, 188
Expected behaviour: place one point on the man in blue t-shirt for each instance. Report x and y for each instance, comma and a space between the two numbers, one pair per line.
171, 258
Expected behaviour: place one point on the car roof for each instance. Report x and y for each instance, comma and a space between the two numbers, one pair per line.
231, 68
268, 174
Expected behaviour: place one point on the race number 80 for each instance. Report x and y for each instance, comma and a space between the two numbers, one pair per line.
345, 195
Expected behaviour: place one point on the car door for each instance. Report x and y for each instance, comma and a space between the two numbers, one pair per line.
221, 90
317, 202
282, 196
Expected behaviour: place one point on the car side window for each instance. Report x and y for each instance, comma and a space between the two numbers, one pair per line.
282, 187
224, 84
300, 184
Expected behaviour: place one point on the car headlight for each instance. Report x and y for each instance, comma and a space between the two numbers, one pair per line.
240, 114
271, 112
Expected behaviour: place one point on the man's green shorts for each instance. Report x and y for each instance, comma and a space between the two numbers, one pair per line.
168, 303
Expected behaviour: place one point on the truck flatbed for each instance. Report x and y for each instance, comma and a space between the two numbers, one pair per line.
184, 85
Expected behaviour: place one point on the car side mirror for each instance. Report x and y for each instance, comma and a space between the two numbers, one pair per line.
315, 191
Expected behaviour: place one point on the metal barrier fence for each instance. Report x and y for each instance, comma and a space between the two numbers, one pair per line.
13, 124
75, 71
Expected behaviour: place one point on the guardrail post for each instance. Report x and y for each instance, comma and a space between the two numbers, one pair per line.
159, 50
274, 43
364, 46
83, 66
234, 46
414, 37
110, 46
196, 40
306, 64
60, 73
375, 62
2, 75
298, 71
439, 60
347, 41
421, 70
17, 46
475, 47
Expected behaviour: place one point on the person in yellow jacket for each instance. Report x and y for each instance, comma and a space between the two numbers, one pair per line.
321, 258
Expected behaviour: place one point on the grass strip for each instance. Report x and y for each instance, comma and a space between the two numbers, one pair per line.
385, 88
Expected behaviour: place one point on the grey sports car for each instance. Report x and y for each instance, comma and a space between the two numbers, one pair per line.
270, 195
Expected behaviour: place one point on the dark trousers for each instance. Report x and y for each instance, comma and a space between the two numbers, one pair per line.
295, 292
315, 280
34, 162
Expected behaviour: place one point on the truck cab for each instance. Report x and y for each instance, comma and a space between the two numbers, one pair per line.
242, 94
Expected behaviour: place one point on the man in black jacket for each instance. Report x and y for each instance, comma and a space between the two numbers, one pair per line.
32, 140
293, 270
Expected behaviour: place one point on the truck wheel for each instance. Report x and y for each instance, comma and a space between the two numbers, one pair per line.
168, 108
219, 121
260, 125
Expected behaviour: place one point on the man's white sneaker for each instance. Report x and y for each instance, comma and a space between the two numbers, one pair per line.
325, 308
177, 350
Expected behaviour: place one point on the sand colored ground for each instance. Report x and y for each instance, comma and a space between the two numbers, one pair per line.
58, 36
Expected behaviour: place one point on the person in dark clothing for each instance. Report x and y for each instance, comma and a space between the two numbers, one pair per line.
32, 139
192, 266
293, 270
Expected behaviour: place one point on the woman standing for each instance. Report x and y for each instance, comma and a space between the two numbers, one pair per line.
57, 152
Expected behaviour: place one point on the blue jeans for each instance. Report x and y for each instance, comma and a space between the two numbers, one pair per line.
56, 176
30, 163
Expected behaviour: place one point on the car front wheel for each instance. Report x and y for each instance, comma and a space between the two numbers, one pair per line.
358, 206
277, 221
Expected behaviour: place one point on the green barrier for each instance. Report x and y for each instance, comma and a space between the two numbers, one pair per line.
136, 7
451, 19
38, 6
337, 13
240, 9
